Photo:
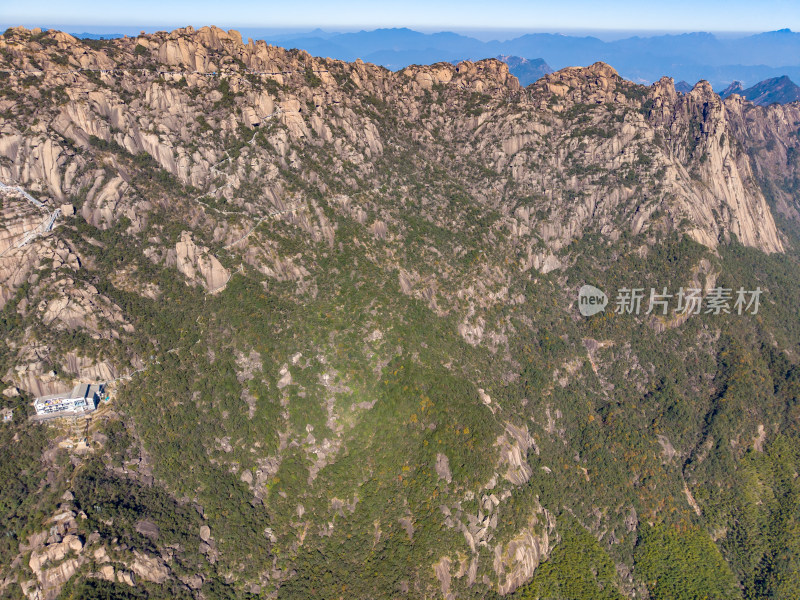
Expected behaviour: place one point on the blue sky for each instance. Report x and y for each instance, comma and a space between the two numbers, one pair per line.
538, 15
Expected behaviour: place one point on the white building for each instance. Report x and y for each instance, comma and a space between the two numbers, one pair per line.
82, 399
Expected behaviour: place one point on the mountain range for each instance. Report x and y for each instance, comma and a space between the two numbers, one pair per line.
690, 56
526, 70
339, 313
778, 89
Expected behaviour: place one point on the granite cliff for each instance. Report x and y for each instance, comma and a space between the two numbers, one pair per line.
310, 267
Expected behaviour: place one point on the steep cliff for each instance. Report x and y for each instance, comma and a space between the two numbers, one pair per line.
346, 299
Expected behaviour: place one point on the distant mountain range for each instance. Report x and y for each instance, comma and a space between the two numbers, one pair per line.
526, 70
687, 57
97, 36
778, 89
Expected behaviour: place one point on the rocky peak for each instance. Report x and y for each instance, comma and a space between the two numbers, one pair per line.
332, 193
664, 89
736, 87
216, 38
602, 69
702, 90
597, 76
488, 76
229, 138
778, 90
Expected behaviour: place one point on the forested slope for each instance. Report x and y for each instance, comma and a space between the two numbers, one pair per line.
347, 302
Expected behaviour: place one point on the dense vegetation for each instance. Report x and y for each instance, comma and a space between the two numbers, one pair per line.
374, 391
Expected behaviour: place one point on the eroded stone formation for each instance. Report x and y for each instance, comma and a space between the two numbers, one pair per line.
181, 145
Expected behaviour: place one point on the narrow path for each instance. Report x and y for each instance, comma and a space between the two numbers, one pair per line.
44, 227
270, 215
149, 72
26, 195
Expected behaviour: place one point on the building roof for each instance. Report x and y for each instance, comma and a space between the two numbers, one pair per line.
81, 390
61, 396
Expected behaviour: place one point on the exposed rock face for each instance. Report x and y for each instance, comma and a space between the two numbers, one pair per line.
514, 446
199, 265
15, 267
150, 568
54, 564
442, 571
771, 134
205, 533
36, 377
704, 182
516, 561
731, 188
57, 554
81, 306
194, 149
443, 467
17, 218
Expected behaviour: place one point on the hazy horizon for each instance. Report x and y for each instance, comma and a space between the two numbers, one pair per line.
484, 35
518, 15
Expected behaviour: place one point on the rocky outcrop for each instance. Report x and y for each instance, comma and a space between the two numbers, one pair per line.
443, 467
515, 561
149, 568
34, 372
442, 571
54, 557
17, 218
678, 152
54, 553
82, 307
729, 187
199, 265
444, 184
58, 553
770, 133
513, 446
